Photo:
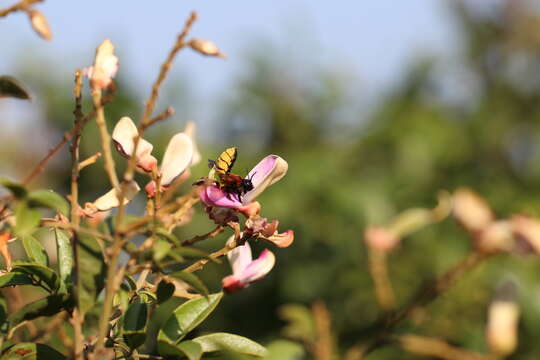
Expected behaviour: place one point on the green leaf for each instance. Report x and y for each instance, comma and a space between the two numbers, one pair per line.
11, 87
186, 317
147, 296
14, 279
135, 324
27, 219
48, 199
40, 273
31, 351
35, 250
3, 316
16, 189
192, 280
191, 349
160, 249
47, 306
285, 350
91, 271
164, 291
64, 254
224, 341
164, 234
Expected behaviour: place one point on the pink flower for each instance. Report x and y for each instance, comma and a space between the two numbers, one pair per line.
245, 269
267, 172
105, 66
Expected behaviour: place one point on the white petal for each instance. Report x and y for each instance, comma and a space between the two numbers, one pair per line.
105, 64
124, 134
191, 131
177, 158
110, 199
240, 258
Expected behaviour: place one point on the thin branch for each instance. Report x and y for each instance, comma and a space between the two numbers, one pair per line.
379, 333
431, 347
75, 219
378, 269
38, 169
89, 161
168, 112
20, 6
218, 230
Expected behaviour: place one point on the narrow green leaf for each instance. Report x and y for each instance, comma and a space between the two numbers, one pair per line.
48, 199
31, 351
92, 271
164, 234
131, 282
135, 324
3, 316
187, 316
285, 350
27, 219
47, 306
192, 280
14, 279
193, 253
40, 273
164, 291
160, 249
64, 254
11, 87
35, 250
224, 341
16, 189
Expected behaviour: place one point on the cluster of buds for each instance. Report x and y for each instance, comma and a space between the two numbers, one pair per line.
518, 233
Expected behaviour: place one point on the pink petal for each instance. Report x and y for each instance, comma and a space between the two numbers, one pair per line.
214, 196
231, 284
177, 158
282, 240
257, 269
239, 258
268, 171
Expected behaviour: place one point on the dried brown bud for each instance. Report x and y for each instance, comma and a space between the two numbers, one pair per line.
40, 24
502, 327
471, 210
206, 47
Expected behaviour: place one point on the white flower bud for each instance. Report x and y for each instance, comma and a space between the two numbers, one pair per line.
502, 327
40, 24
471, 210
206, 47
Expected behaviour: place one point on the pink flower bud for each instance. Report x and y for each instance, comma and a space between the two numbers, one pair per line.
380, 238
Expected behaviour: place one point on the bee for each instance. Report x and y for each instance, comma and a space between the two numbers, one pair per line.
229, 182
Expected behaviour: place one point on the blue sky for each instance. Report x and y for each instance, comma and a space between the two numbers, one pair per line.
374, 40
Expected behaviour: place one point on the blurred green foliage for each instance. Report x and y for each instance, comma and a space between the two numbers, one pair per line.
474, 124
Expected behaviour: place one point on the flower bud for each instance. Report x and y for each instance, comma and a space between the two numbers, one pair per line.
40, 24
471, 210
502, 327
527, 230
379, 238
206, 47
496, 237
